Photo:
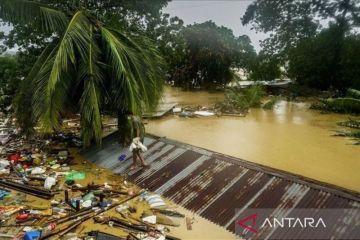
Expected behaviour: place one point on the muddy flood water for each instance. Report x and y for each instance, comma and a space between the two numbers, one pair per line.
290, 137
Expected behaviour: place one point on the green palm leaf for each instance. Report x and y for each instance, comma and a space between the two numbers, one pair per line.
90, 64
53, 85
134, 70
23, 98
22, 11
119, 59
90, 100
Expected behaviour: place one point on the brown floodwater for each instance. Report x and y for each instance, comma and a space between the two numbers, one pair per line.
290, 137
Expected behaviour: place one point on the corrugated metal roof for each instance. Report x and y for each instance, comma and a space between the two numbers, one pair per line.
214, 185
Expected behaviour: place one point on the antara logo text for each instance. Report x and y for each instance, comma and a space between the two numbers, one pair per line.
284, 222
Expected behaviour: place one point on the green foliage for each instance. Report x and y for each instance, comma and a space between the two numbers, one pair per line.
350, 61
243, 99
347, 105
88, 68
140, 17
289, 21
318, 59
351, 123
264, 68
210, 52
9, 79
353, 93
318, 62
269, 105
350, 103
44, 17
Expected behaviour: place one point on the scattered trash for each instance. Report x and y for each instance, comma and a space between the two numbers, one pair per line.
186, 114
177, 109
86, 203
37, 170
149, 219
44, 169
49, 182
122, 157
75, 175
32, 235
3, 194
154, 201
204, 113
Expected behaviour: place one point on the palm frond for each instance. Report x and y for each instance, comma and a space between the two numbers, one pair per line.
119, 57
23, 11
23, 98
90, 75
134, 70
53, 85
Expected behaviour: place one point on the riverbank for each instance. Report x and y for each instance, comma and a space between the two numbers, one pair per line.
291, 137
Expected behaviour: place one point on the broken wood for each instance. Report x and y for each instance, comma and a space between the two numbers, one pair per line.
41, 193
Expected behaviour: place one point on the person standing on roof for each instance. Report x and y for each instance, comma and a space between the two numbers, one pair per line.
137, 134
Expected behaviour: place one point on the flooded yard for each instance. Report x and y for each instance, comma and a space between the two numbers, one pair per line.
290, 137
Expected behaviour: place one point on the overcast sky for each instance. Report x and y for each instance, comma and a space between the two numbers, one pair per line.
222, 12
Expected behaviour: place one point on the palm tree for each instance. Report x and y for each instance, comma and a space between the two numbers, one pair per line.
87, 67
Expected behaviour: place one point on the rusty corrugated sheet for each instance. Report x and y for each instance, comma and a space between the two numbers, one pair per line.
214, 185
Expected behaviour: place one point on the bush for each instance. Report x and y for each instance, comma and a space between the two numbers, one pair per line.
350, 103
243, 99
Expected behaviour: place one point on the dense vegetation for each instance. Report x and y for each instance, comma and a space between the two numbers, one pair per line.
314, 63
9, 79
87, 66
318, 39
210, 52
198, 55
350, 103
315, 40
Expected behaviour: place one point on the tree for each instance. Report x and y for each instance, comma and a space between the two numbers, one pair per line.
315, 54
9, 79
166, 32
209, 53
350, 61
314, 63
289, 21
86, 67
264, 68
140, 16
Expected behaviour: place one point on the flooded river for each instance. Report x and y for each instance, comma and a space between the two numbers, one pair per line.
291, 137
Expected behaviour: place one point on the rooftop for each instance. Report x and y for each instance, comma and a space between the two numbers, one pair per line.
213, 185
